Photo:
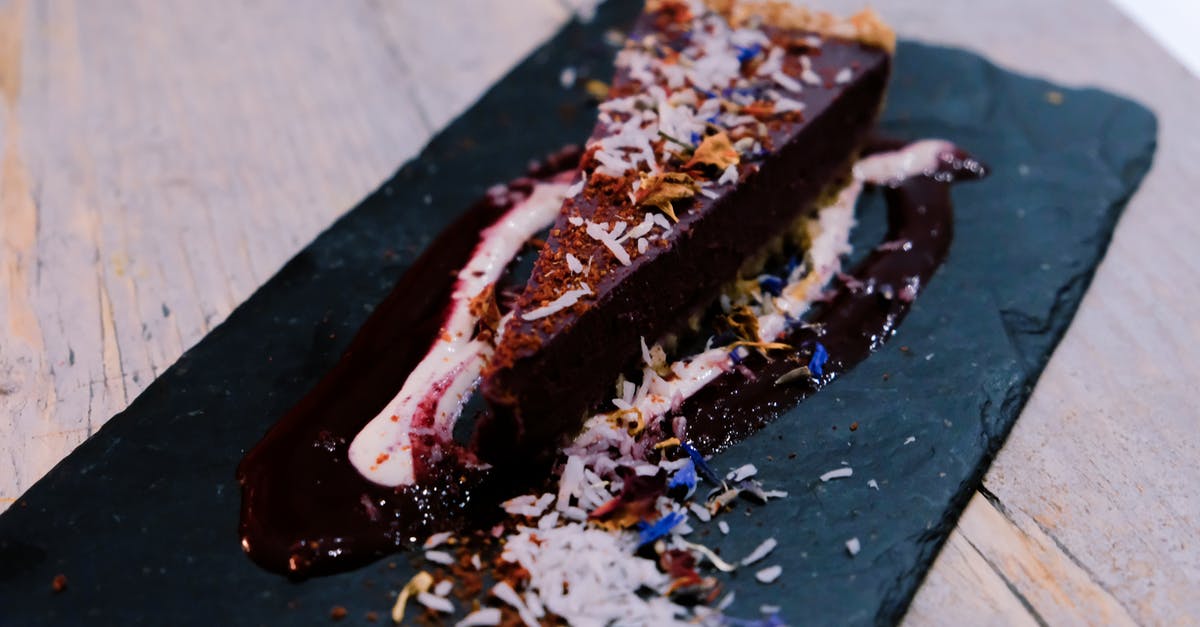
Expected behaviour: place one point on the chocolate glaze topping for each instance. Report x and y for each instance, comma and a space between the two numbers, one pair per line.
307, 511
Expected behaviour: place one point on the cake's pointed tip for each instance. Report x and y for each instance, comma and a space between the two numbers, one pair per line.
873, 30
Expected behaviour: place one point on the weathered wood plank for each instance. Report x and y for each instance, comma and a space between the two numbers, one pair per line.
160, 159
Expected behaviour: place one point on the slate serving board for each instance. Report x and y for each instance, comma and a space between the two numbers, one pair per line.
142, 517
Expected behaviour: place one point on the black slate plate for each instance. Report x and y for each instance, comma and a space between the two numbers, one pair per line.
142, 517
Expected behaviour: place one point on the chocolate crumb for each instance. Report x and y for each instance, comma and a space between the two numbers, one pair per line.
372, 617
338, 612
59, 583
854, 426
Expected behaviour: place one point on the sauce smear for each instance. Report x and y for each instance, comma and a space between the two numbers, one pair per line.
307, 511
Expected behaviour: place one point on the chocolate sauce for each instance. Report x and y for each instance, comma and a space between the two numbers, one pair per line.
307, 511
864, 312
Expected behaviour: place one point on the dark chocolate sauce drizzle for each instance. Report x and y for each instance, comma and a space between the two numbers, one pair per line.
864, 312
307, 511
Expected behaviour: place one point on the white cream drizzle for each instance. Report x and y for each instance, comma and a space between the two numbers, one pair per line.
382, 451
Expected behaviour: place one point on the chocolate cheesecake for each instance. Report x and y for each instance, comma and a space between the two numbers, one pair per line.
725, 123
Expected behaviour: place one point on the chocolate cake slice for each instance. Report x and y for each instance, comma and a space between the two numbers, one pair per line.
726, 122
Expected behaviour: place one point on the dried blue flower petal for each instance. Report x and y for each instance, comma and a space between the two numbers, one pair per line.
685, 477
701, 465
748, 52
771, 284
817, 362
792, 264
649, 532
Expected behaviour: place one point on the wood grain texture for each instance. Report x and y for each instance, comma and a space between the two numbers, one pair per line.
160, 159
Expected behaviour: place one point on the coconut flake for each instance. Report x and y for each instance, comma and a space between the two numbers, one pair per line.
910, 440
742, 473
806, 72
853, 546
769, 574
787, 82
760, 551
573, 264
844, 75
723, 526
437, 539
505, 593
486, 617
439, 557
783, 105
598, 233
871, 483
837, 473
528, 505
730, 175
436, 603
646, 225
568, 299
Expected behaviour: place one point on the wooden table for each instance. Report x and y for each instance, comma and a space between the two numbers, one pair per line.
160, 159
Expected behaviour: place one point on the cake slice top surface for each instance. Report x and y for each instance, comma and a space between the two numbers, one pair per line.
703, 93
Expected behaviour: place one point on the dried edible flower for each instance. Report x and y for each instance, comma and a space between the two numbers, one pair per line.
421, 582
649, 532
483, 307
817, 362
660, 190
715, 151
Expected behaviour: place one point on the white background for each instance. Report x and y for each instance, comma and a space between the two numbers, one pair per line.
1174, 23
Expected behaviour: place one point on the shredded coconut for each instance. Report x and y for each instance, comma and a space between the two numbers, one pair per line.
437, 539
741, 473
568, 299
486, 617
837, 473
769, 574
437, 603
760, 551
573, 264
439, 557
853, 546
